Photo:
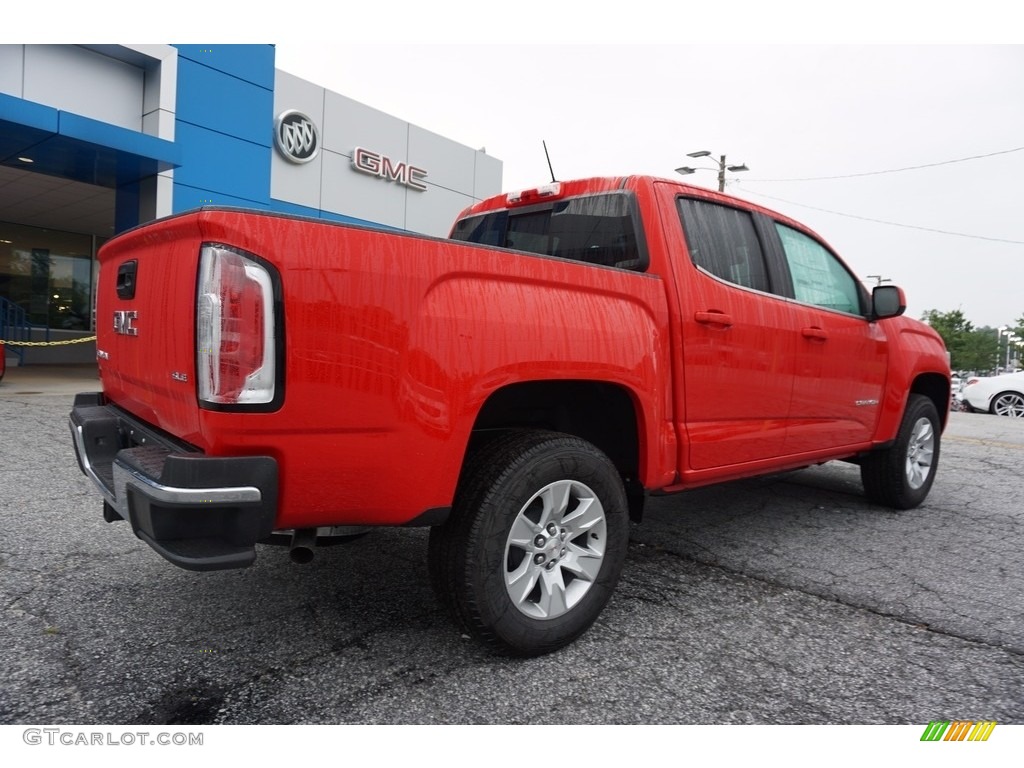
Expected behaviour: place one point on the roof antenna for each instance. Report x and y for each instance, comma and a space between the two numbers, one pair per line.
549, 159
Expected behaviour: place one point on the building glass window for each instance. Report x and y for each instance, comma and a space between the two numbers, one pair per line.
49, 274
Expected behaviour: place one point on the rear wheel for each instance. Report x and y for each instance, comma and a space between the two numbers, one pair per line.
1008, 404
535, 543
901, 476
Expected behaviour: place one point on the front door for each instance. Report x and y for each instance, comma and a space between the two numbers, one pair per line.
840, 363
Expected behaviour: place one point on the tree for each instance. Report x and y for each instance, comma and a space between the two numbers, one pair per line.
970, 348
1019, 333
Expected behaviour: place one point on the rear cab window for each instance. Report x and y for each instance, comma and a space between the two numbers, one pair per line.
723, 241
596, 229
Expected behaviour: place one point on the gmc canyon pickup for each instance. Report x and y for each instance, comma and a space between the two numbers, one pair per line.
519, 387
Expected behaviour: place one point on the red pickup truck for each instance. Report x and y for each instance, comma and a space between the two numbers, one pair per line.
519, 387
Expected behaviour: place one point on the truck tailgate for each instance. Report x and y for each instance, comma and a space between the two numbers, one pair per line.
145, 319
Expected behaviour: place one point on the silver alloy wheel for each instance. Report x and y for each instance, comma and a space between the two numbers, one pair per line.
1009, 404
920, 450
554, 549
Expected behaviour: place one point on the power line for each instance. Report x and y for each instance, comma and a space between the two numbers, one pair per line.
899, 170
890, 223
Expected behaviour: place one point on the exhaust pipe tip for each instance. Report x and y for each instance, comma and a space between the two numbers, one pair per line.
303, 542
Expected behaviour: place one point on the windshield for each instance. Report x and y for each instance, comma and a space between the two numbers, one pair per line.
597, 230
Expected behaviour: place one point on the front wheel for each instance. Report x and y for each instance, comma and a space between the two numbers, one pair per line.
901, 476
535, 543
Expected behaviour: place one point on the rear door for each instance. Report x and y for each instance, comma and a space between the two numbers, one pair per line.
736, 339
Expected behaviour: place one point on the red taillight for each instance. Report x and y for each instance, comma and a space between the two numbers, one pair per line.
235, 361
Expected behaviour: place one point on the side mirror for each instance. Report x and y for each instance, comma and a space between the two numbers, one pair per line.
887, 301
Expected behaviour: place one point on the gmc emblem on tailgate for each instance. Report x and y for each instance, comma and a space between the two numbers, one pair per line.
124, 323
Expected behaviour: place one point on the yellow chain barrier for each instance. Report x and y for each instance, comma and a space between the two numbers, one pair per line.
82, 340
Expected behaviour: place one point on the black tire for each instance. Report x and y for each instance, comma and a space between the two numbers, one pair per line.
902, 475
1008, 403
576, 547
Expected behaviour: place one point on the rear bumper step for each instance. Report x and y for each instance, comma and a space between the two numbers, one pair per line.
199, 512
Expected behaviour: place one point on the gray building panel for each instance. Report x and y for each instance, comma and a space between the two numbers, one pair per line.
291, 182
86, 83
365, 197
455, 174
11, 69
448, 164
348, 124
434, 211
487, 178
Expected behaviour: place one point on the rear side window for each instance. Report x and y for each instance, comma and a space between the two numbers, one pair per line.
600, 229
723, 241
818, 276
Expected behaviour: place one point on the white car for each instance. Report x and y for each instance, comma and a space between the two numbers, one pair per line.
1001, 395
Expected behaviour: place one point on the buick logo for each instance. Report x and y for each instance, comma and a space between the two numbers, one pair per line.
296, 136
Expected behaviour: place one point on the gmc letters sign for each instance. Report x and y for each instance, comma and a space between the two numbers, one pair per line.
382, 166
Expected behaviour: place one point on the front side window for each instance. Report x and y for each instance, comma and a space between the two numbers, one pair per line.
723, 241
818, 276
599, 229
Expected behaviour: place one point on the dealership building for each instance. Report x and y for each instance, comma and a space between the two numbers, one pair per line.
97, 139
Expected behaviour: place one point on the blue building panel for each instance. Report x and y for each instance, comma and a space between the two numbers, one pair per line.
187, 198
222, 165
253, 63
280, 206
28, 113
222, 102
164, 153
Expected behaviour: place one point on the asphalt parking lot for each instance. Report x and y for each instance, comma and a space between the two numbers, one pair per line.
780, 600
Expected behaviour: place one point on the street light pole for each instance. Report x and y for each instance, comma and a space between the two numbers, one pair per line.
722, 167
721, 174
1011, 340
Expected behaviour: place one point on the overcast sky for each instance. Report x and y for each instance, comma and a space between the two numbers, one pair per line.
788, 112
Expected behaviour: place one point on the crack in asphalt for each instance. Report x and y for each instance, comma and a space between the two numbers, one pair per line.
663, 551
